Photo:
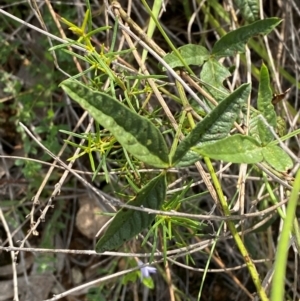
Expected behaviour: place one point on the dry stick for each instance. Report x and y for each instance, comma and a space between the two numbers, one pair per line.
169, 282
37, 13
241, 183
280, 55
53, 165
63, 35
192, 20
268, 278
56, 191
206, 243
144, 255
145, 71
174, 253
182, 253
113, 172
271, 61
234, 278
154, 53
41, 30
12, 254
220, 263
122, 39
237, 57
141, 170
93, 283
221, 270
284, 147
149, 211
273, 176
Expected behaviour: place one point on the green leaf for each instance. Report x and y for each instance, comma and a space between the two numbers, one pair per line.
214, 73
192, 54
249, 9
265, 135
134, 132
253, 127
257, 128
245, 149
188, 159
127, 223
265, 106
265, 95
235, 40
148, 282
277, 158
217, 124
130, 277
235, 149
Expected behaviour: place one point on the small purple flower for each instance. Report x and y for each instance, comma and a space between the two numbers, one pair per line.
146, 270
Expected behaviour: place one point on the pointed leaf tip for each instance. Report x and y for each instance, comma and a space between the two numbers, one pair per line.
235, 40
217, 124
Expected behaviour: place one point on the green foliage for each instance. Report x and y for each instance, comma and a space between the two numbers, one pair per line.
148, 282
31, 170
132, 131
235, 149
192, 54
135, 133
11, 85
213, 75
235, 40
215, 125
172, 227
95, 294
134, 222
249, 9
245, 149
277, 158
265, 106
139, 137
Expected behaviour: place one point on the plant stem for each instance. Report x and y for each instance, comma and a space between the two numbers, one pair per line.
250, 265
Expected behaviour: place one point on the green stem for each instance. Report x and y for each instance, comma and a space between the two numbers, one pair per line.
277, 293
177, 135
250, 265
175, 50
